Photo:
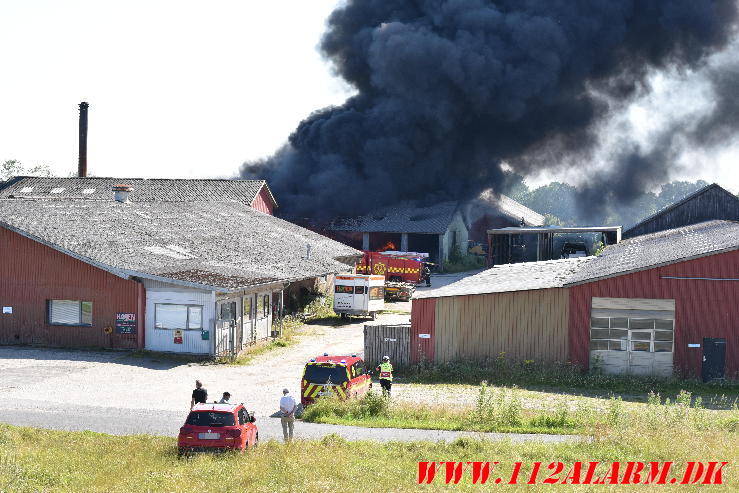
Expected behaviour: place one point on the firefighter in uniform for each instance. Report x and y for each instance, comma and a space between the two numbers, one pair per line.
426, 274
386, 375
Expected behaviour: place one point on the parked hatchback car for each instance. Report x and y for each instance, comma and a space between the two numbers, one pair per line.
214, 427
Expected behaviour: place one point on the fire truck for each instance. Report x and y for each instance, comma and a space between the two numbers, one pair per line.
395, 266
402, 271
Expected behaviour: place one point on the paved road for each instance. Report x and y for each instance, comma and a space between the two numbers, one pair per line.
122, 421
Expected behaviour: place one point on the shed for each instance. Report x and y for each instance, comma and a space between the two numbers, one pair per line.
435, 229
659, 304
410, 226
519, 310
710, 202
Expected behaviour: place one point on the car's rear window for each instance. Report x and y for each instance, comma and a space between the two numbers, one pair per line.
208, 418
321, 374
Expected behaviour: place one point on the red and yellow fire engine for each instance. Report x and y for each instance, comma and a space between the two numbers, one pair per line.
344, 376
395, 266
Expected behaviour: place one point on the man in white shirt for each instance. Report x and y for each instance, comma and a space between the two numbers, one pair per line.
287, 410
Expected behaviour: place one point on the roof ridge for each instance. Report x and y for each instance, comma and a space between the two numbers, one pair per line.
674, 205
235, 180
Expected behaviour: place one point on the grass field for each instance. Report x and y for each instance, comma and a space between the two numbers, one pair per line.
34, 460
515, 410
564, 378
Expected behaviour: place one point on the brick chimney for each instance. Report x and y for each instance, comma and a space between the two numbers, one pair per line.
121, 192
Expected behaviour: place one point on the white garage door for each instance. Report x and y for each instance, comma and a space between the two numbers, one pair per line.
632, 336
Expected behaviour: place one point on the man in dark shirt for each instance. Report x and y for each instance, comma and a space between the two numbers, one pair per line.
199, 395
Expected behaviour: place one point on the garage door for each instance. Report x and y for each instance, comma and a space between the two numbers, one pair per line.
632, 336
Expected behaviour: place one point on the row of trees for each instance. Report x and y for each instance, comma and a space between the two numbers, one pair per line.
11, 168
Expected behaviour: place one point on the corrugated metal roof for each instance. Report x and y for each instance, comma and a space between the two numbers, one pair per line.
640, 253
664, 247
511, 208
513, 277
144, 189
714, 186
404, 217
227, 245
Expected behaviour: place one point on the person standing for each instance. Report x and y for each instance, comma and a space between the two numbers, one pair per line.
225, 398
386, 375
287, 417
199, 395
427, 274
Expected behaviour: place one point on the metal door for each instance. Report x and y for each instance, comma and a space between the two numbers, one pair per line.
714, 359
226, 329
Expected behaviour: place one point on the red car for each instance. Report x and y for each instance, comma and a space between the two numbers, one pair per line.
213, 427
344, 376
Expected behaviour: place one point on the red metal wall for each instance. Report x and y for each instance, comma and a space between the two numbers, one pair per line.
263, 201
423, 321
32, 273
702, 308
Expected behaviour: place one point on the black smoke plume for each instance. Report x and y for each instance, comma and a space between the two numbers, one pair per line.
447, 90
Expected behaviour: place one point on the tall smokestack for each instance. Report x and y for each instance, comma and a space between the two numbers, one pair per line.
82, 165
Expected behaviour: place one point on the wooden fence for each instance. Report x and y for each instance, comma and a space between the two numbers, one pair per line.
387, 340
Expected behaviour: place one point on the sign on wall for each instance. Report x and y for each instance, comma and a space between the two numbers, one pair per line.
178, 336
125, 323
7, 309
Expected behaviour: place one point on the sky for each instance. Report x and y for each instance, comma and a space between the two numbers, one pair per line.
192, 89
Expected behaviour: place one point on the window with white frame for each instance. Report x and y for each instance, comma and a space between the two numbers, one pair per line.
172, 316
631, 334
70, 312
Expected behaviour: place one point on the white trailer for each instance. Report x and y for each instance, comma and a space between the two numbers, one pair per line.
357, 294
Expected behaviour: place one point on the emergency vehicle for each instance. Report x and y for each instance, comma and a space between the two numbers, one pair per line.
357, 294
395, 266
344, 376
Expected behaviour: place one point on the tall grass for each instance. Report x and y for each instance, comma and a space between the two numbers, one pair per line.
33, 460
501, 410
530, 374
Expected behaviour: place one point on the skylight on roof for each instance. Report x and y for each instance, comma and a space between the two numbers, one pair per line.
88, 190
168, 251
26, 189
57, 190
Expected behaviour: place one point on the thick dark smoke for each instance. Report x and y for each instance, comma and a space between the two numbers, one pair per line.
447, 90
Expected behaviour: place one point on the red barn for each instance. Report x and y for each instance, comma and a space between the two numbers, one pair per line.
656, 304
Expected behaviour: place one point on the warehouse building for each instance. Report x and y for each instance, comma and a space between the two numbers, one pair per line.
436, 229
708, 203
196, 276
659, 304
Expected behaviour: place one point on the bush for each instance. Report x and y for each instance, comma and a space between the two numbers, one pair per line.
370, 405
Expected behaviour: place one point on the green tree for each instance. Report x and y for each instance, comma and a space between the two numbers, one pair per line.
12, 167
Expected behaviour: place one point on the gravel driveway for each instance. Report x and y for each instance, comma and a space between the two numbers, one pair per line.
116, 392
